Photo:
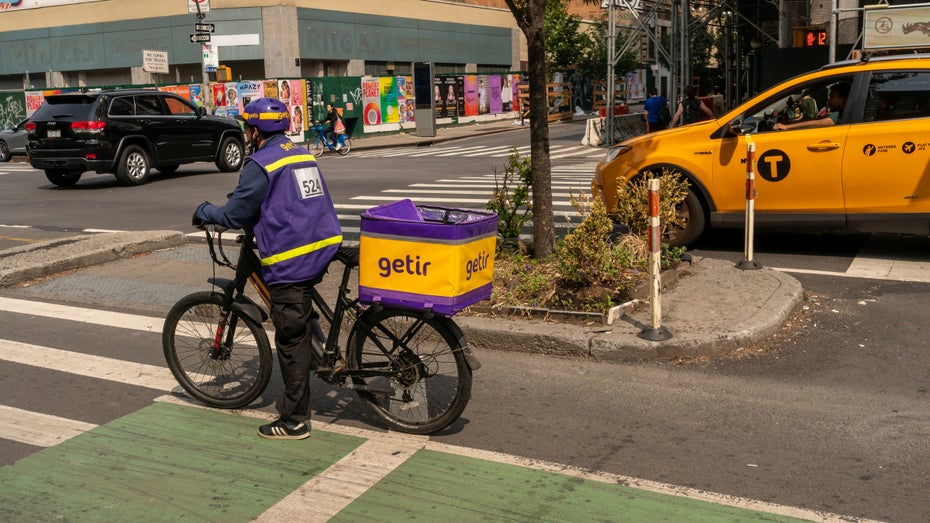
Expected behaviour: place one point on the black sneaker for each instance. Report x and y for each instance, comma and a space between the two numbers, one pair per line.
280, 429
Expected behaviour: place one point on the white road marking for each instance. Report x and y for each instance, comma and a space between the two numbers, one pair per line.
37, 429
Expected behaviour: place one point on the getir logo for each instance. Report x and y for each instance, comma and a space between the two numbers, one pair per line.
414, 266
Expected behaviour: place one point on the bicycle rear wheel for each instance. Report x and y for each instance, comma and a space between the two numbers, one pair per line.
229, 374
413, 367
318, 147
346, 147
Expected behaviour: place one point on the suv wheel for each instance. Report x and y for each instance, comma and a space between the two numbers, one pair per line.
5, 153
63, 178
230, 158
133, 166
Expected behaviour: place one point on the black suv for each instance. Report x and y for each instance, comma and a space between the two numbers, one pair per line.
127, 132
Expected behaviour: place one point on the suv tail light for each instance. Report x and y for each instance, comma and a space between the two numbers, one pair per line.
94, 126
31, 127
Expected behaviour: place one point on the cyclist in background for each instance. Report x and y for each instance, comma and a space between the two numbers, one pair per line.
330, 124
282, 196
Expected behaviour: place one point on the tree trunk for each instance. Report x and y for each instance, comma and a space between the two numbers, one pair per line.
531, 19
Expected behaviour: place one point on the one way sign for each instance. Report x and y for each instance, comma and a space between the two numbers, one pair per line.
200, 38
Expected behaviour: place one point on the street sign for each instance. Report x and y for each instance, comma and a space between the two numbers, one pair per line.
204, 28
200, 38
155, 61
193, 4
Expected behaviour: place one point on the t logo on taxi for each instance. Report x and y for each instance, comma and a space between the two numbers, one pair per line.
774, 165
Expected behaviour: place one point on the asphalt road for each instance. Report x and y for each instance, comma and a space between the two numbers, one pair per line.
829, 414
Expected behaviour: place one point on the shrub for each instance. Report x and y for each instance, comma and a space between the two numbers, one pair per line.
511, 196
633, 202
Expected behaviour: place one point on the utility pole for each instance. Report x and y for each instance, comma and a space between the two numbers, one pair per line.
205, 77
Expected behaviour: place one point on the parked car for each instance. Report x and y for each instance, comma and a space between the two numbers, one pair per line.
127, 133
13, 141
870, 171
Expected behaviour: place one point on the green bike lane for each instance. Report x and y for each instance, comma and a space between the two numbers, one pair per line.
176, 462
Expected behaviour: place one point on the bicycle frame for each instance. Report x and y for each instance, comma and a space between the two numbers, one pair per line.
248, 268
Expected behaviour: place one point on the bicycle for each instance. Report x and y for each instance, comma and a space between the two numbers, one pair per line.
412, 369
321, 144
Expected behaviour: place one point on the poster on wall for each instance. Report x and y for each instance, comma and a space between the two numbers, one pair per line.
405, 98
196, 94
471, 95
291, 92
371, 101
389, 105
232, 99
270, 89
34, 100
484, 106
219, 99
249, 91
507, 93
495, 103
446, 99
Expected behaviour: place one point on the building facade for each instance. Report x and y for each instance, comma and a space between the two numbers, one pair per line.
71, 43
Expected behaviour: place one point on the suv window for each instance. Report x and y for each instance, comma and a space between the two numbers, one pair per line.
898, 95
178, 107
149, 105
66, 107
122, 106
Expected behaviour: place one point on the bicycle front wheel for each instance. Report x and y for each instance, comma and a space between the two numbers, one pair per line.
222, 358
410, 369
318, 148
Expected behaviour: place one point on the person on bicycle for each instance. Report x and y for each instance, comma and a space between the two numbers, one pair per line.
329, 126
282, 196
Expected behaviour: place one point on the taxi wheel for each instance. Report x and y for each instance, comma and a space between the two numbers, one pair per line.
692, 213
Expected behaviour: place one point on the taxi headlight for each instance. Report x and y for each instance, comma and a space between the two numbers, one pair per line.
616, 151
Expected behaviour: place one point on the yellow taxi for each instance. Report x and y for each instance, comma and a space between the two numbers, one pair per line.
867, 169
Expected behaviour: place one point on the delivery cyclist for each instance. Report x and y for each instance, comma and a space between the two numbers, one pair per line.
281, 195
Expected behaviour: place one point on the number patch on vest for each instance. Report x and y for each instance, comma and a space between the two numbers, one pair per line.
309, 183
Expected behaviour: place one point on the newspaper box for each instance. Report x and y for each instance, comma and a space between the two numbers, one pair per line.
423, 257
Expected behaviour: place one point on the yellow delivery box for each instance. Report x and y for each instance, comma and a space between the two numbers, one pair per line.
424, 257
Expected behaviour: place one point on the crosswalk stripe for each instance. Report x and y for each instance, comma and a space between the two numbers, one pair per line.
37, 429
100, 367
65, 312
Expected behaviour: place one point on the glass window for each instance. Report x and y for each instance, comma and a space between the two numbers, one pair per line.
898, 95
122, 106
178, 107
148, 105
804, 102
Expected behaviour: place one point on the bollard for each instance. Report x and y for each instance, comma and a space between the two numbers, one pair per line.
655, 332
749, 224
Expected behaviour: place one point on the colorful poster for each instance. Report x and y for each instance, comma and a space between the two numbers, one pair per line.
219, 99
405, 98
506, 93
389, 108
232, 99
471, 95
270, 88
460, 95
34, 100
484, 95
495, 102
291, 92
249, 91
371, 101
196, 94
446, 99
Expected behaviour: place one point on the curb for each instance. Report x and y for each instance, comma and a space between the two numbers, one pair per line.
41, 259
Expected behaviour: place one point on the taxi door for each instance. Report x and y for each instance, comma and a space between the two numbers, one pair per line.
887, 163
797, 171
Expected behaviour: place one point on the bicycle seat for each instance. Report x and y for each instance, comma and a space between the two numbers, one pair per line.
348, 256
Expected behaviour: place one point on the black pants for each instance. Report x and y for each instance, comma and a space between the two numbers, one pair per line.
291, 307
